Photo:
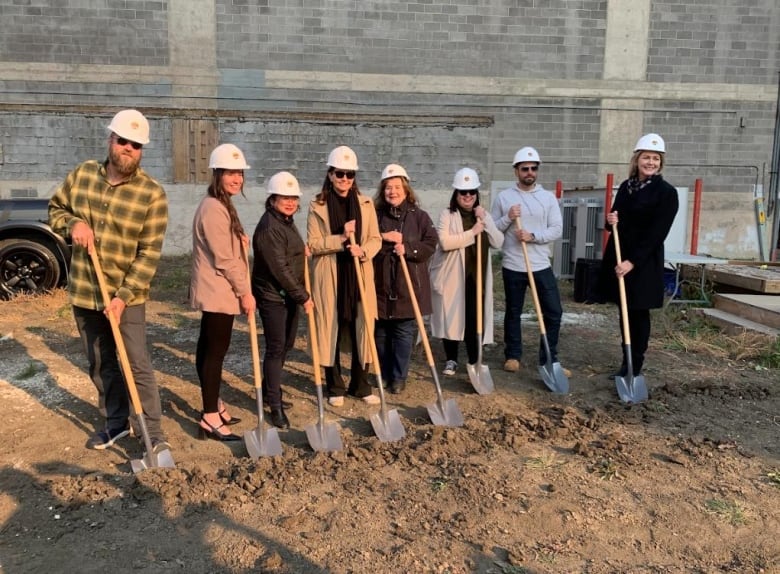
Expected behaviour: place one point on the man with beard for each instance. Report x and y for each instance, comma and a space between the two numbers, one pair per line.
116, 208
542, 225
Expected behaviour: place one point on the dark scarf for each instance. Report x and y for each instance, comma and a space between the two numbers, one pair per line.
469, 220
392, 219
341, 210
635, 185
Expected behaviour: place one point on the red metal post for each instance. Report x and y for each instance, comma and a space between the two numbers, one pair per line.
558, 189
607, 208
697, 188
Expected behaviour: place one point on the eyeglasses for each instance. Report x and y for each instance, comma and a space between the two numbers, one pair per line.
468, 191
123, 142
341, 174
529, 168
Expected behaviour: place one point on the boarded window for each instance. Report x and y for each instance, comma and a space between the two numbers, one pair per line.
193, 141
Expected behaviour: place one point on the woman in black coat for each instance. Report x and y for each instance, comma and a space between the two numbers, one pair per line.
644, 209
278, 285
408, 232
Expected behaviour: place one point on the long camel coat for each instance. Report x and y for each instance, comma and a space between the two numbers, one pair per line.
324, 246
448, 277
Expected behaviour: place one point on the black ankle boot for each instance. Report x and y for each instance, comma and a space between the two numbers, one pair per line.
278, 418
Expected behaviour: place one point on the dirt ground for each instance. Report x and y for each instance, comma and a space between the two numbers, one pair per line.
532, 483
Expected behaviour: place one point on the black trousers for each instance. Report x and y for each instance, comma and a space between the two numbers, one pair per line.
280, 325
358, 384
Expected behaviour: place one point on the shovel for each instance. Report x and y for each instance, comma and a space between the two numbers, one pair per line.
442, 413
479, 374
387, 424
260, 441
630, 388
162, 459
551, 372
322, 436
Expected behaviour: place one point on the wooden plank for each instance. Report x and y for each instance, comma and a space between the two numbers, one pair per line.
747, 277
180, 140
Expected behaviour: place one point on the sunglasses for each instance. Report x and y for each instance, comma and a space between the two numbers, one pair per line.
468, 191
529, 168
123, 142
341, 174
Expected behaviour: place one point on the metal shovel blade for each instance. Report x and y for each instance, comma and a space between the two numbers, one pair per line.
631, 389
162, 459
445, 413
387, 425
480, 378
263, 442
324, 437
554, 377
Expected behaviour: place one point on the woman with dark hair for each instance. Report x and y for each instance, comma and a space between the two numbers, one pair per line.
278, 284
408, 232
454, 271
219, 286
646, 206
338, 211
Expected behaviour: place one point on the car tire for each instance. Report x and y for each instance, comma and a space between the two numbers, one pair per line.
27, 267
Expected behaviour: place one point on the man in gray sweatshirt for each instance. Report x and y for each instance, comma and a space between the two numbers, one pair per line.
542, 224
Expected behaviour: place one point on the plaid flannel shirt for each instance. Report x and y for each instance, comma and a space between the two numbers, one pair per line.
129, 222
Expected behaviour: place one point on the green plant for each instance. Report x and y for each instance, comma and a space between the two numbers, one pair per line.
29, 371
608, 469
439, 483
543, 461
731, 512
773, 476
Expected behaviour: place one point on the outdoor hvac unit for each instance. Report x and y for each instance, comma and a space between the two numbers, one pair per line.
583, 224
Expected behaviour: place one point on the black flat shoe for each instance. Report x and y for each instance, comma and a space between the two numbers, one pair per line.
620, 373
213, 432
229, 422
279, 419
397, 387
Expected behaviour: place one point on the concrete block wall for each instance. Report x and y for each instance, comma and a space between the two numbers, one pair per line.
553, 39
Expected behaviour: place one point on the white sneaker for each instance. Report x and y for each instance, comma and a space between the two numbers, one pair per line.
371, 400
336, 401
450, 367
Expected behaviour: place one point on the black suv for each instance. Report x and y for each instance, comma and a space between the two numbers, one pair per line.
33, 259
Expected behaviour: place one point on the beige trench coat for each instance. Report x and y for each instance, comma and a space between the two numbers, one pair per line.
324, 246
448, 278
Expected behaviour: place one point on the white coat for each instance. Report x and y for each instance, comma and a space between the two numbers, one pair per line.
448, 278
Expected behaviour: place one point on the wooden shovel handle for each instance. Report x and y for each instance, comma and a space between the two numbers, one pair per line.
368, 319
417, 313
315, 350
622, 289
118, 340
479, 287
253, 343
531, 281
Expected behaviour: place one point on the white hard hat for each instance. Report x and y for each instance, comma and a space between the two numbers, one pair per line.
651, 142
131, 125
284, 183
394, 170
343, 157
526, 154
465, 178
227, 156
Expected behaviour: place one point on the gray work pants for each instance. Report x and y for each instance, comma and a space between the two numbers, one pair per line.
106, 373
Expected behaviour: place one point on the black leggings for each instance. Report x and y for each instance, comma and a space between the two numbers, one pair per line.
213, 342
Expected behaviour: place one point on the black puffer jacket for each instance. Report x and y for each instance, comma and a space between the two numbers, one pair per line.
420, 239
278, 268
